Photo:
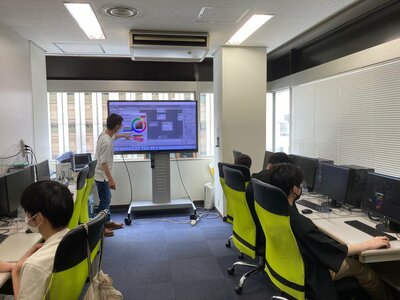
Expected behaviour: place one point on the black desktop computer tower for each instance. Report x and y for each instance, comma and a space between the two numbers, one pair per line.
357, 184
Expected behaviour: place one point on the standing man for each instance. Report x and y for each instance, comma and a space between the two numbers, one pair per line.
103, 174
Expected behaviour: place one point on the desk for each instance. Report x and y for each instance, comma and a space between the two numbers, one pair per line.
14, 247
333, 225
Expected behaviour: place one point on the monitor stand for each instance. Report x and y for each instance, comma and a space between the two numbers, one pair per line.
161, 190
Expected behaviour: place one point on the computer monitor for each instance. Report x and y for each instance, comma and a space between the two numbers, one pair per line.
309, 167
383, 199
43, 171
16, 182
4, 211
334, 182
267, 156
79, 161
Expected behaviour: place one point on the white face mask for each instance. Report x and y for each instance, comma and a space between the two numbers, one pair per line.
32, 228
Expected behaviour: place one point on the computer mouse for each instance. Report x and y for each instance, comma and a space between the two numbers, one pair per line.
28, 231
306, 211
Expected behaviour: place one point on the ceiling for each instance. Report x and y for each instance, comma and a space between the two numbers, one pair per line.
48, 24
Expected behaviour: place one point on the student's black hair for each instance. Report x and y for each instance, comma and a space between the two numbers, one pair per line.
285, 176
243, 159
52, 199
113, 120
279, 157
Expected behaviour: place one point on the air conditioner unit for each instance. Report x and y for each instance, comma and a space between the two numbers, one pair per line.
168, 46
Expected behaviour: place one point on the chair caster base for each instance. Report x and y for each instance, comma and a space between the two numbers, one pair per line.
231, 271
238, 290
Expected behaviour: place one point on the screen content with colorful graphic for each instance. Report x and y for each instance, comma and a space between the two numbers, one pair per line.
383, 196
156, 126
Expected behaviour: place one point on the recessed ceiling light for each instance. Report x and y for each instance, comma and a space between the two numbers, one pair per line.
248, 28
121, 11
87, 20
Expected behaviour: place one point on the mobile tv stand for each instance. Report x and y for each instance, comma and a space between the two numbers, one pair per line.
161, 188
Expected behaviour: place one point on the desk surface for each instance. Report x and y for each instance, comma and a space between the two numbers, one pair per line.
14, 247
333, 225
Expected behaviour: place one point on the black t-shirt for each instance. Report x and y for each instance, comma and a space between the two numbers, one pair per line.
320, 254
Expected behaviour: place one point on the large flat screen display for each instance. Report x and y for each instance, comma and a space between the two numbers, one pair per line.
155, 126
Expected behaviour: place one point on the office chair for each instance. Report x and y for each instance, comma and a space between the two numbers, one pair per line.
80, 191
228, 218
246, 173
244, 226
283, 261
84, 214
71, 269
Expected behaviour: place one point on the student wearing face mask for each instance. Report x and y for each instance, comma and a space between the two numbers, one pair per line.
48, 206
325, 259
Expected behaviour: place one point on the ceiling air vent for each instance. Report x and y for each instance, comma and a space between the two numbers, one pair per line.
168, 46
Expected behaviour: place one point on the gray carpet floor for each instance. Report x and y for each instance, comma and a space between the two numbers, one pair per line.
153, 259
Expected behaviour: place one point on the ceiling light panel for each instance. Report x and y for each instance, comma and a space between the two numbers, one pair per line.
248, 28
87, 20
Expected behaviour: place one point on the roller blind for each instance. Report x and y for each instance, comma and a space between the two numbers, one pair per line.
354, 117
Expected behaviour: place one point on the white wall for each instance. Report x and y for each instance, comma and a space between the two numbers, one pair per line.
16, 120
40, 107
195, 173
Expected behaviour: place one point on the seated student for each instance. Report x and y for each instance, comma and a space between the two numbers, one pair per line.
276, 158
324, 258
243, 159
48, 206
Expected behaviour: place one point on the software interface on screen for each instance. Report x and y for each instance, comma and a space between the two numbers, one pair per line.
156, 125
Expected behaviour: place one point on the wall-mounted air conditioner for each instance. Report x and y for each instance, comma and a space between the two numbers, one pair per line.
168, 46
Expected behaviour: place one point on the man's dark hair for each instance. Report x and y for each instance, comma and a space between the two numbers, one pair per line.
243, 159
113, 120
285, 176
52, 199
279, 157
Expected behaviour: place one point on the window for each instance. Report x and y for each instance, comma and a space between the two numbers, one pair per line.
278, 121
77, 119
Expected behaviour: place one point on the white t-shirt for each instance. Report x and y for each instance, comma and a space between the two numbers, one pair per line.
104, 154
37, 269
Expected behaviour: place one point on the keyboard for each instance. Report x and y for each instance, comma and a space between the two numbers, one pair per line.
3, 237
313, 205
368, 229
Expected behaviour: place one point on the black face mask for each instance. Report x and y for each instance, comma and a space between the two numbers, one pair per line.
298, 195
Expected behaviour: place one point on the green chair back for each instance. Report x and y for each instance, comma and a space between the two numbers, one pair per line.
244, 227
80, 191
284, 263
84, 214
70, 269
229, 215
246, 173
96, 230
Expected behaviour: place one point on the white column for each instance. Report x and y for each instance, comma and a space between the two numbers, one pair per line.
239, 101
